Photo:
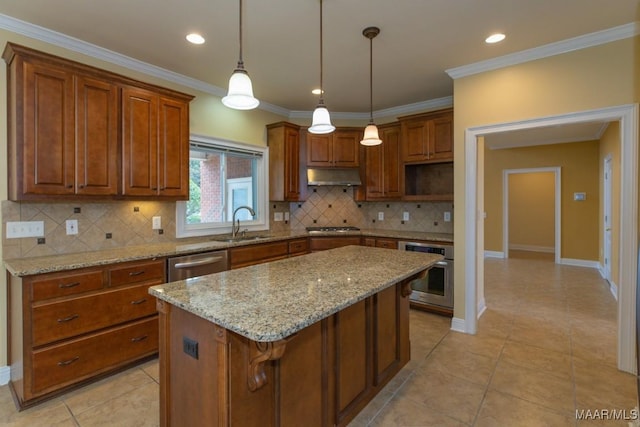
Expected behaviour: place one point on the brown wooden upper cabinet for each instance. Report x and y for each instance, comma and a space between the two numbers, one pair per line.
286, 162
383, 166
155, 157
337, 149
66, 135
427, 137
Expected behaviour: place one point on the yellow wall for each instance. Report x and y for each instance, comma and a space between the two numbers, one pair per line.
579, 170
610, 145
596, 77
532, 211
208, 117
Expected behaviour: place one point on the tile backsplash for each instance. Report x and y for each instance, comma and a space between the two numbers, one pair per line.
334, 206
108, 225
103, 225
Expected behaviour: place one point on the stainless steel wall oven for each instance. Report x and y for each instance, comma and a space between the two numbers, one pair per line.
436, 288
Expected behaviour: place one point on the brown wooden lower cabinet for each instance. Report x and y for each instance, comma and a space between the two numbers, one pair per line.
322, 243
321, 376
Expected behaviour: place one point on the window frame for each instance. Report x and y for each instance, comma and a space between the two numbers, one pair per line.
262, 192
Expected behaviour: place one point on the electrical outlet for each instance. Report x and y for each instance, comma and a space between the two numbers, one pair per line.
156, 222
277, 216
380, 216
72, 226
405, 216
286, 216
17, 229
447, 216
190, 347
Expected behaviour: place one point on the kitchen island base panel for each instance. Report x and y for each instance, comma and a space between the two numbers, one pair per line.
322, 375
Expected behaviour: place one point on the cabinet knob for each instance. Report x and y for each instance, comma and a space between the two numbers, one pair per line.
70, 186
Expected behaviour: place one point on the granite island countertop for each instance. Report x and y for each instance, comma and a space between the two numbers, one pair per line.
52, 263
271, 301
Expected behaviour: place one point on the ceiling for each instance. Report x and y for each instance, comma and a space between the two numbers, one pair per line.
419, 40
420, 43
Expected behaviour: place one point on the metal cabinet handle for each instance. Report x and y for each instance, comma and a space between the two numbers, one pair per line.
208, 260
138, 302
68, 362
68, 318
140, 338
68, 285
136, 273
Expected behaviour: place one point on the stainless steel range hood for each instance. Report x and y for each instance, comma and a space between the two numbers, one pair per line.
333, 176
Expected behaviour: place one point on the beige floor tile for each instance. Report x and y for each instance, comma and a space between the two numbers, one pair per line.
501, 410
541, 334
137, 408
152, 368
98, 393
50, 413
534, 386
444, 393
526, 356
401, 412
600, 386
476, 368
490, 346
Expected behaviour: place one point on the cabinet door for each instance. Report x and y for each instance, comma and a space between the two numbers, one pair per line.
391, 165
96, 137
345, 148
173, 150
374, 171
140, 142
441, 138
48, 113
292, 164
414, 141
319, 150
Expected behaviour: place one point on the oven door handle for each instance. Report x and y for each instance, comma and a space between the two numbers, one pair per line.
444, 263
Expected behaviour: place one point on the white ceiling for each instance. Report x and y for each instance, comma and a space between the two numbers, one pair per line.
419, 40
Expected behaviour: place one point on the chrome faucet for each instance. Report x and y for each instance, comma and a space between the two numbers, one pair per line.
235, 228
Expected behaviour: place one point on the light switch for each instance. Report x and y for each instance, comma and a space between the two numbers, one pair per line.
380, 216
447, 216
405, 216
286, 216
156, 222
579, 197
16, 229
277, 216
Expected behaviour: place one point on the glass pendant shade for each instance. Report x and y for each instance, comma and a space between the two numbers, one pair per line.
321, 122
371, 135
240, 95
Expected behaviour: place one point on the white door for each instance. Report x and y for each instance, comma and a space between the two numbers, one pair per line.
607, 219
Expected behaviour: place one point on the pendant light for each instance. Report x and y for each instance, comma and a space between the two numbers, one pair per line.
321, 122
371, 131
240, 95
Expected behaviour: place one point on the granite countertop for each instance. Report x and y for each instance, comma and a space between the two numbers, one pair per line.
48, 264
269, 302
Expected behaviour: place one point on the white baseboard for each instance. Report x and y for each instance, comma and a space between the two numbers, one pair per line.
457, 325
5, 375
532, 248
493, 254
482, 307
613, 288
580, 263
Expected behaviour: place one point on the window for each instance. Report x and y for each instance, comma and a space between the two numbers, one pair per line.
224, 176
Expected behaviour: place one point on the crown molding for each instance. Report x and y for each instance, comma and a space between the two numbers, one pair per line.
76, 45
581, 42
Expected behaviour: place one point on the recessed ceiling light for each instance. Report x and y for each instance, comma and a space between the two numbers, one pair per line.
195, 38
495, 38
316, 91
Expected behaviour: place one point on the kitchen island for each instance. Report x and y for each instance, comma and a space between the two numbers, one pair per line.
302, 341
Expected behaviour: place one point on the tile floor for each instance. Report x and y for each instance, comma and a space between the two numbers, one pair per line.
546, 346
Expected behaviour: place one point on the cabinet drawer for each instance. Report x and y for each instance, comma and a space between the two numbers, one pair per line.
299, 247
73, 361
64, 319
386, 243
64, 284
138, 272
256, 254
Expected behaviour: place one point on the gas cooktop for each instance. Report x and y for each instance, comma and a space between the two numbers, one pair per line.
339, 229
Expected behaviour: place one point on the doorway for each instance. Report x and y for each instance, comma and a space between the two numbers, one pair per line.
474, 230
531, 210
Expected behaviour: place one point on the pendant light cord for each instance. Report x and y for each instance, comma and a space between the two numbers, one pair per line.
240, 61
371, 80
321, 87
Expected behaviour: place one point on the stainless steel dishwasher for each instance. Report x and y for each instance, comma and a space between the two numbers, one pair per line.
189, 266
